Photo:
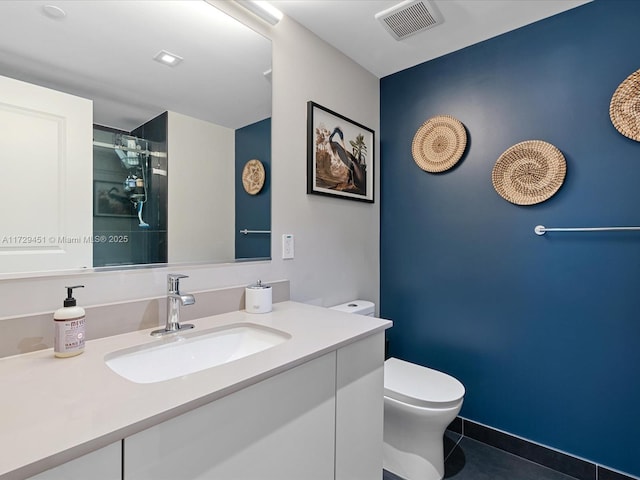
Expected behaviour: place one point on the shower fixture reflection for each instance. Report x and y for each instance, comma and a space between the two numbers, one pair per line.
134, 159
130, 195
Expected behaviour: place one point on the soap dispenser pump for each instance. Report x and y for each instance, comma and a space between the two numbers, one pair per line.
69, 327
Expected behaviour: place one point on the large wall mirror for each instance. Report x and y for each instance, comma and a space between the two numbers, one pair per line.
125, 129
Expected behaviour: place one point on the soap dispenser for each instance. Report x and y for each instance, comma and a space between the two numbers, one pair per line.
69, 327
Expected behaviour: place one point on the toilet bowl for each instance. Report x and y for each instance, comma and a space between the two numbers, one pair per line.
419, 404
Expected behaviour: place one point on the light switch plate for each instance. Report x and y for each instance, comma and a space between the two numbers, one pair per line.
287, 246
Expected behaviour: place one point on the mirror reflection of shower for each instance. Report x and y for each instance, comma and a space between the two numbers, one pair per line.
134, 157
130, 195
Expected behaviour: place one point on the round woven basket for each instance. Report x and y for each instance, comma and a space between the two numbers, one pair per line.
624, 109
529, 172
253, 176
439, 143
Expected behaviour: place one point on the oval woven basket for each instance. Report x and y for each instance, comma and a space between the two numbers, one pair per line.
529, 172
624, 109
439, 143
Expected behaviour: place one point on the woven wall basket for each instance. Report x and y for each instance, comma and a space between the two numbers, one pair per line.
253, 176
439, 143
624, 109
529, 172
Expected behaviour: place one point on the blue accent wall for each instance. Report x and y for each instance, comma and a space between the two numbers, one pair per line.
253, 212
544, 331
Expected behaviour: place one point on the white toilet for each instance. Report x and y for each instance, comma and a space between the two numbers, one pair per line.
419, 404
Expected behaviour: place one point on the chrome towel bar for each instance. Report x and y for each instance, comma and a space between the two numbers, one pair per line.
541, 229
246, 232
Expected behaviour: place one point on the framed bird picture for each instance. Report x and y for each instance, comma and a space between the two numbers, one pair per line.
340, 155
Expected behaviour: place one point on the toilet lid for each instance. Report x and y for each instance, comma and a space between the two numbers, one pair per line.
420, 386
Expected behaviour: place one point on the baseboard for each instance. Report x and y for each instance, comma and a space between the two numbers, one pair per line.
548, 457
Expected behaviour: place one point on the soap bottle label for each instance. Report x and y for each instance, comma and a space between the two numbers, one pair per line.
69, 337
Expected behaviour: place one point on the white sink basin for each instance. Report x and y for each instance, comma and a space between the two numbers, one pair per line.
180, 354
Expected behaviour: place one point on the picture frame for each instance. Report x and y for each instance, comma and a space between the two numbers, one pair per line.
110, 200
340, 155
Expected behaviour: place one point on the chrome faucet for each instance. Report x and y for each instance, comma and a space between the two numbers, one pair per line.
174, 300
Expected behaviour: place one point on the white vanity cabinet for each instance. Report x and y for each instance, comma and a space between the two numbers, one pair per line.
280, 428
310, 408
320, 420
359, 409
102, 464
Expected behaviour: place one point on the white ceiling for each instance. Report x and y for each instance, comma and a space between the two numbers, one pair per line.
350, 26
104, 49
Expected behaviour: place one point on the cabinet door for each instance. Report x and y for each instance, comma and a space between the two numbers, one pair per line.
360, 409
281, 428
103, 464
45, 185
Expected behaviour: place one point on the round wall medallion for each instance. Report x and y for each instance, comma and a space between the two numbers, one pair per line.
529, 172
439, 143
253, 176
624, 109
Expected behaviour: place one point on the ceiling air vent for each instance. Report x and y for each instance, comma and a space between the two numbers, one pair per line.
408, 18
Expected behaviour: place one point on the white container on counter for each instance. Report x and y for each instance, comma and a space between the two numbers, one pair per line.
258, 298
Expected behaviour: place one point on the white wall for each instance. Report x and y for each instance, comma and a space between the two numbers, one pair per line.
336, 247
336, 240
201, 165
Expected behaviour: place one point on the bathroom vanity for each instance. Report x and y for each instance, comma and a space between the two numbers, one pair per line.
308, 407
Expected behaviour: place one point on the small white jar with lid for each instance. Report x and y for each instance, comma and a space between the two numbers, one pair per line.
258, 298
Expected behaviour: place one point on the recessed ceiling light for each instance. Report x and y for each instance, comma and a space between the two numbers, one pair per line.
167, 58
54, 12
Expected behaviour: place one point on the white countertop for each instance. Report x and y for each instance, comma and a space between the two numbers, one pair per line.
55, 409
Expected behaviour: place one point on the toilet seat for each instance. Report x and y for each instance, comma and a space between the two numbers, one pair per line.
420, 386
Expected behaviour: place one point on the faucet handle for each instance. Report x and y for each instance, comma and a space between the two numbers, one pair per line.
173, 281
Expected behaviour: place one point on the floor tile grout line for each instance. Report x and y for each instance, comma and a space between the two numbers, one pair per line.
454, 447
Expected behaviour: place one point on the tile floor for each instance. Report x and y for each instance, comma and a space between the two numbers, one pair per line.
468, 459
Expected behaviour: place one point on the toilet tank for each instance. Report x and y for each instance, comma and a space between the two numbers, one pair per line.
360, 307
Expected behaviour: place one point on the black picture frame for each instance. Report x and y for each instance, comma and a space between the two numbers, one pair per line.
340, 156
110, 200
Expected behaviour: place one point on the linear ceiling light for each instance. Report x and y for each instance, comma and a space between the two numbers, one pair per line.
264, 10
